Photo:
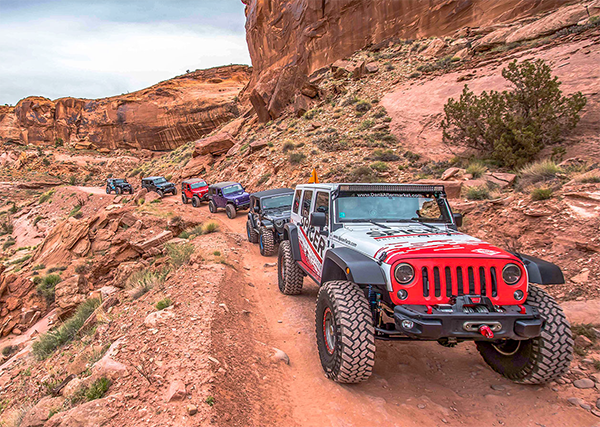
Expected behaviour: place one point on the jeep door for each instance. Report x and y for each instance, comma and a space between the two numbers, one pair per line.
311, 258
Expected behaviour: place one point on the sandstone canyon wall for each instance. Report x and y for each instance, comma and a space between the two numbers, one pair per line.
161, 117
290, 39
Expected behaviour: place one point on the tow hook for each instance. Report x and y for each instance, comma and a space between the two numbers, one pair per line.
486, 331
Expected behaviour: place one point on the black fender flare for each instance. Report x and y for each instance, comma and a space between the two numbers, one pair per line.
542, 272
357, 268
290, 232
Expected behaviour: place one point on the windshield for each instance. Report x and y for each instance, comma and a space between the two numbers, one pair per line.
199, 184
232, 189
160, 181
120, 181
390, 207
277, 202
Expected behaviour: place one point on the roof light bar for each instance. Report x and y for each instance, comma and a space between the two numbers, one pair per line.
393, 188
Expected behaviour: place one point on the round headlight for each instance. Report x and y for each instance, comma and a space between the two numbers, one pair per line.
511, 274
404, 273
279, 223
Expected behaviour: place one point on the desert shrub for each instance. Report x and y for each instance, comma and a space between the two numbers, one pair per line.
541, 193
37, 219
362, 106
144, 280
46, 287
445, 63
180, 253
264, 178
362, 174
511, 127
533, 173
384, 156
411, 157
94, 391
9, 350
311, 114
65, 333
46, 196
379, 166
163, 303
591, 178
476, 169
184, 235
296, 158
21, 260
38, 267
6, 227
331, 142
288, 146
72, 180
478, 193
367, 124
76, 212
10, 242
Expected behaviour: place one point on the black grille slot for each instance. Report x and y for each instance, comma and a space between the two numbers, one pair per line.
448, 281
471, 281
436, 282
459, 281
494, 284
482, 283
425, 282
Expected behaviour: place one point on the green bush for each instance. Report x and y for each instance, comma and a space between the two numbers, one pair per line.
144, 280
362, 106
264, 178
180, 253
384, 156
46, 196
288, 146
64, 333
9, 350
331, 142
476, 169
184, 235
379, 166
296, 158
10, 242
94, 391
46, 287
541, 193
511, 127
163, 303
478, 193
362, 174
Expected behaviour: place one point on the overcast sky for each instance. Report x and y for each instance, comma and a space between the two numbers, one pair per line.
98, 48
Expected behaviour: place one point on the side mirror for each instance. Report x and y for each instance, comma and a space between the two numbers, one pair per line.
318, 219
458, 219
256, 208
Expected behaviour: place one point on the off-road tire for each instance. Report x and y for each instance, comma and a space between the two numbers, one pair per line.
230, 211
290, 277
251, 233
118, 190
107, 190
175, 192
266, 241
131, 191
196, 201
351, 355
184, 199
212, 207
536, 360
160, 193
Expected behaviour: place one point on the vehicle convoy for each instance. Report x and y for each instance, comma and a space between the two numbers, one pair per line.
269, 212
392, 265
230, 196
159, 184
194, 190
118, 185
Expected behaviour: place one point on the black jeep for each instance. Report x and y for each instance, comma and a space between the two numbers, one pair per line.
269, 212
119, 186
159, 184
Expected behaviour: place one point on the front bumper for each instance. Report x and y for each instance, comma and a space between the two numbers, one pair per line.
243, 205
453, 322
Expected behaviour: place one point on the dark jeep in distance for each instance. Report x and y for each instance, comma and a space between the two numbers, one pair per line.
159, 184
118, 185
228, 195
269, 212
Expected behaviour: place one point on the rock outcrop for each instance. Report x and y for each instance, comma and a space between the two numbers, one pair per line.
289, 40
161, 117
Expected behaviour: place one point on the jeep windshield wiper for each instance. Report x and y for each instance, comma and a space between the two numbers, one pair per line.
418, 221
378, 224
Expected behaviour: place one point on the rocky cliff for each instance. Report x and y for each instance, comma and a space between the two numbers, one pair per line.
161, 117
288, 40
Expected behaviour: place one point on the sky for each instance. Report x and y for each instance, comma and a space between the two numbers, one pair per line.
99, 48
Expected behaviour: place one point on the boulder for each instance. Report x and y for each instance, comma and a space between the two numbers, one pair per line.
301, 105
176, 391
155, 241
69, 294
450, 173
38, 415
234, 127
372, 67
309, 89
216, 145
501, 179
257, 146
109, 368
493, 39
453, 188
341, 69
90, 414
157, 317
434, 48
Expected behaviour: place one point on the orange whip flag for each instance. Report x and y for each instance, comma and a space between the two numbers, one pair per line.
314, 179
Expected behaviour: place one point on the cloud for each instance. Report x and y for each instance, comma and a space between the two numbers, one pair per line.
113, 48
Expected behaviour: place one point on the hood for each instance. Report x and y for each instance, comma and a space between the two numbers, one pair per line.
277, 215
164, 185
415, 240
240, 197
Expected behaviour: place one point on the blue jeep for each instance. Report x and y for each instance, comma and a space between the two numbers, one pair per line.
228, 195
119, 186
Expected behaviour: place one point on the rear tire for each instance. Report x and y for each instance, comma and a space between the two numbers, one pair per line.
212, 207
119, 190
161, 194
175, 192
184, 199
131, 191
196, 201
345, 332
536, 360
107, 190
289, 276
251, 233
266, 242
230, 210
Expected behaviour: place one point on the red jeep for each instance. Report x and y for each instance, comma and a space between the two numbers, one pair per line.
195, 190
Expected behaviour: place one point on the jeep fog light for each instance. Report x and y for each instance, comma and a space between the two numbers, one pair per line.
402, 294
404, 273
511, 274
407, 324
518, 295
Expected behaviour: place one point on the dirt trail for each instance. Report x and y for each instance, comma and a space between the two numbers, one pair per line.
413, 384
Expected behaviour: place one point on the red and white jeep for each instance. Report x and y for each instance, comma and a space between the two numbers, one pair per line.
196, 190
392, 265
